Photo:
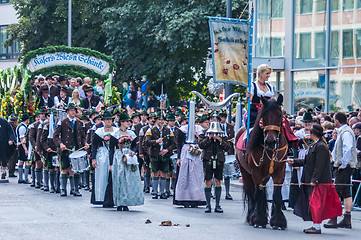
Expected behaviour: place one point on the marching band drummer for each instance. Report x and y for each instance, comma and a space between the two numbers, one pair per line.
49, 147
102, 192
69, 135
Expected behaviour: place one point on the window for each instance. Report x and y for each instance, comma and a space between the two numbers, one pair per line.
10, 52
334, 5
347, 4
306, 6
305, 45
320, 45
347, 45
277, 8
321, 5
334, 44
276, 49
358, 43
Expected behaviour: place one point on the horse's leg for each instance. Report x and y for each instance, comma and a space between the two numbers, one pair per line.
248, 187
278, 219
260, 216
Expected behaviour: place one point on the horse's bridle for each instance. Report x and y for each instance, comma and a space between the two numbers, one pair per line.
274, 152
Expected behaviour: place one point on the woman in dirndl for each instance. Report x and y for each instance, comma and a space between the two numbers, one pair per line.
127, 185
189, 188
317, 198
102, 192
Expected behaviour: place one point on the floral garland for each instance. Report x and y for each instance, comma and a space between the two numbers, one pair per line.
6, 106
116, 97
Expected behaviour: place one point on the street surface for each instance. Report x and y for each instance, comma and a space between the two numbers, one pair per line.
28, 213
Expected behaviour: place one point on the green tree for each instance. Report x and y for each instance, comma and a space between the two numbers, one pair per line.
167, 40
44, 23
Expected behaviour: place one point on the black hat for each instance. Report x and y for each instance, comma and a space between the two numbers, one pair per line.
48, 77
159, 115
13, 117
24, 117
71, 106
222, 114
44, 88
64, 89
61, 78
307, 117
107, 115
88, 89
183, 117
123, 117
318, 108
317, 130
152, 114
143, 112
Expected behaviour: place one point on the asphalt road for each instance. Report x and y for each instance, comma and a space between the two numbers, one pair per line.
27, 213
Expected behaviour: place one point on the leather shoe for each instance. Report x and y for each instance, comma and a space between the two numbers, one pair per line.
147, 190
21, 181
32, 185
155, 196
218, 209
26, 182
312, 230
208, 209
229, 197
46, 189
63, 193
12, 175
163, 196
86, 188
120, 208
52, 190
332, 223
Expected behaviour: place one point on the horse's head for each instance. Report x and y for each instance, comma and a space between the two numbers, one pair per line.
271, 121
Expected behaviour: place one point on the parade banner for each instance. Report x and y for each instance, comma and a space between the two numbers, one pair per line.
230, 50
61, 58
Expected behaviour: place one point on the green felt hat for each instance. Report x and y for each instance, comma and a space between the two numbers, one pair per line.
152, 114
204, 118
135, 115
123, 117
71, 106
97, 116
178, 112
84, 117
170, 117
107, 115
143, 112
144, 76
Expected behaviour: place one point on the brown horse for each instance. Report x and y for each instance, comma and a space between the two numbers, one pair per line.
266, 148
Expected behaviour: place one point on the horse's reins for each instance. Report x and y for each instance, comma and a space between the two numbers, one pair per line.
274, 152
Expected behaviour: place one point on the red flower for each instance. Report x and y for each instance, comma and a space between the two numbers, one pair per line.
216, 50
228, 61
106, 138
217, 43
225, 71
235, 66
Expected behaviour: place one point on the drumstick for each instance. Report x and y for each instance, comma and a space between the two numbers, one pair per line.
80, 148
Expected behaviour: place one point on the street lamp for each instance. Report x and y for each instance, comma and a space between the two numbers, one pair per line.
69, 23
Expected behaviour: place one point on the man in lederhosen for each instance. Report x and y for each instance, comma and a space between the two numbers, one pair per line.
22, 142
85, 175
69, 136
175, 130
229, 130
49, 148
142, 148
41, 151
161, 144
213, 156
33, 134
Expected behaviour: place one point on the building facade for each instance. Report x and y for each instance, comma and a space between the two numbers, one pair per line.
8, 55
314, 47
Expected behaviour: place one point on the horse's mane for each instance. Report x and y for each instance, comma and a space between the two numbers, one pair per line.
256, 137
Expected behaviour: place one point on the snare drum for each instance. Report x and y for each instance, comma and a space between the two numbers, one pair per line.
55, 161
174, 159
229, 170
79, 161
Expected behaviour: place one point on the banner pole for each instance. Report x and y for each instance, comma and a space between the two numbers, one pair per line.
250, 68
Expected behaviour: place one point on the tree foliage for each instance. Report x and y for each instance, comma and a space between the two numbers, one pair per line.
166, 39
